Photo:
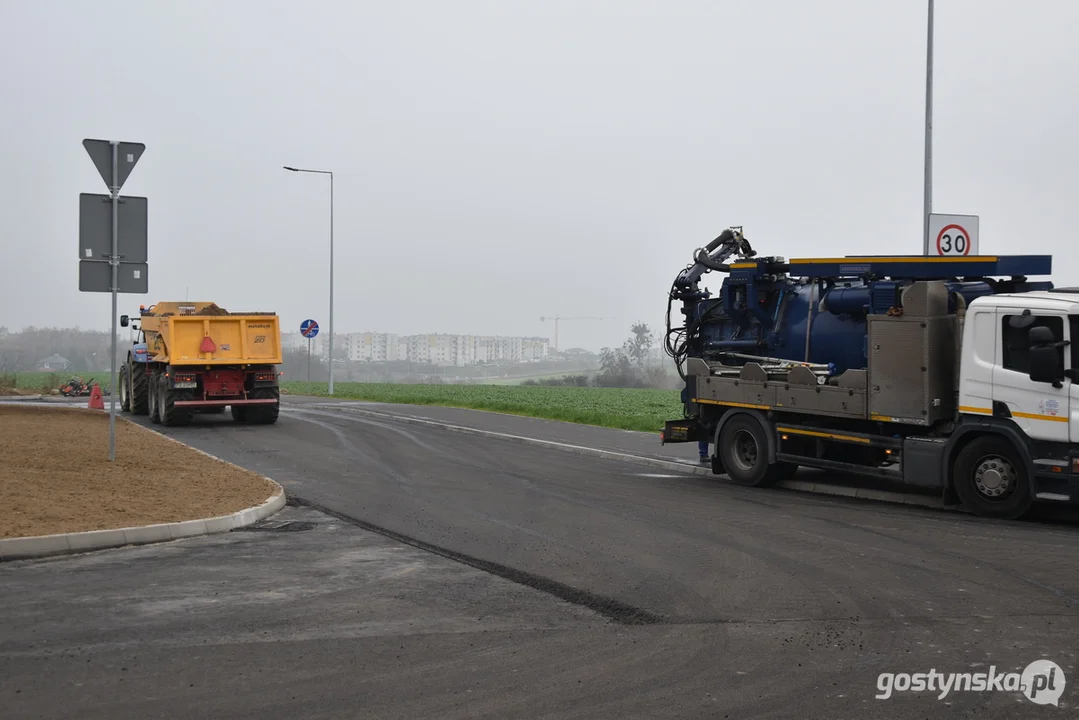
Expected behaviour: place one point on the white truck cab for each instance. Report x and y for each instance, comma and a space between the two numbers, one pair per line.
1009, 369
1019, 380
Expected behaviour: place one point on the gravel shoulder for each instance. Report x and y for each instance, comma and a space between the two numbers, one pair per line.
55, 475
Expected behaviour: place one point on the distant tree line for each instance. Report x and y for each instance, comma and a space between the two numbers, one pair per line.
85, 350
623, 367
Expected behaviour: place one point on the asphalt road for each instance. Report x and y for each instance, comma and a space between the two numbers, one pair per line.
673, 595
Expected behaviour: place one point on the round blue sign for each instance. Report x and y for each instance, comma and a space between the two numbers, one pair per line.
309, 328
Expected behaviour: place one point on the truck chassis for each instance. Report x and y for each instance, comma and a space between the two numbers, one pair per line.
172, 395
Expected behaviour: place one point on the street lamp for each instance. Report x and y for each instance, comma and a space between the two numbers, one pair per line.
326, 172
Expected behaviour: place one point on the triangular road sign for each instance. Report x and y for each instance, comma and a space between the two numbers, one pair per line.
127, 155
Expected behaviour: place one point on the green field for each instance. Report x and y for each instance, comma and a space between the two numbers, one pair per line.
43, 382
520, 380
626, 409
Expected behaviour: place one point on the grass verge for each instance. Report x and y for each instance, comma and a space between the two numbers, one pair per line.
621, 408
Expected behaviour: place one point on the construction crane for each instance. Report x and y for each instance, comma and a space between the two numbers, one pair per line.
558, 318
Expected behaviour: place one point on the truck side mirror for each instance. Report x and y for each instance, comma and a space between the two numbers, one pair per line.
1045, 362
124, 321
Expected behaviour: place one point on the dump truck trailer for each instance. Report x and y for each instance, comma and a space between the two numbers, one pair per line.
195, 357
955, 374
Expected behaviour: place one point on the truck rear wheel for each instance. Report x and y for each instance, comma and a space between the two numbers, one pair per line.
264, 414
743, 449
991, 479
239, 412
170, 414
153, 397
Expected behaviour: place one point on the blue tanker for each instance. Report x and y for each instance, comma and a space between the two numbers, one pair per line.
813, 310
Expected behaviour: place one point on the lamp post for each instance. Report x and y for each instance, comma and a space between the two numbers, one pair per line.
928, 185
326, 172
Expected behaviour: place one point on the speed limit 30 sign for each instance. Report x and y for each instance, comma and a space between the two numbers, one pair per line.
953, 235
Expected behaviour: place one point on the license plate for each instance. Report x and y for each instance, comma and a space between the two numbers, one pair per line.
185, 385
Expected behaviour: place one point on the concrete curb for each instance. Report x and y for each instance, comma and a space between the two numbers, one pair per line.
39, 546
807, 486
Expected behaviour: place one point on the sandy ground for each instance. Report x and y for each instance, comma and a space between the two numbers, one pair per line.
55, 475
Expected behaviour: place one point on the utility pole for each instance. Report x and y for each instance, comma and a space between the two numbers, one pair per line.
928, 184
326, 172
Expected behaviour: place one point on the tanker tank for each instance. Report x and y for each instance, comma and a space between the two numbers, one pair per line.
813, 311
837, 326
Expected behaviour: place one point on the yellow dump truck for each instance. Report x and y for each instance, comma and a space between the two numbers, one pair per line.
195, 357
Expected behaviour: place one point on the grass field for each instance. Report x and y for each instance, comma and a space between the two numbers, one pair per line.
520, 380
626, 409
44, 382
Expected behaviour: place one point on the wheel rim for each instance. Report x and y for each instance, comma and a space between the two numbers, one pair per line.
745, 450
123, 391
995, 478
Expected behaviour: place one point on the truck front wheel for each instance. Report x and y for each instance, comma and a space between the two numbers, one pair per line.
991, 479
125, 391
140, 396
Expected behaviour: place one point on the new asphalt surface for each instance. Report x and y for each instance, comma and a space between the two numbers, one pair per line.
454, 575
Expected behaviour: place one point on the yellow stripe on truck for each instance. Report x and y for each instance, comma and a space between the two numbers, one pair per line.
1029, 416
863, 260
733, 404
1035, 416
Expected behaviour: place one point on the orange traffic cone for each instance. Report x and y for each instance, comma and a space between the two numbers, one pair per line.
96, 401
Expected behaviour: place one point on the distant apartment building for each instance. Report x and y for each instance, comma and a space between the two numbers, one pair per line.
434, 348
374, 347
444, 349
535, 349
293, 341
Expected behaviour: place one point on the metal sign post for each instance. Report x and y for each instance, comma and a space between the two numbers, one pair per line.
309, 329
125, 247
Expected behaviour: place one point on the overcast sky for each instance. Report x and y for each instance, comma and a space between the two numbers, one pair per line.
498, 161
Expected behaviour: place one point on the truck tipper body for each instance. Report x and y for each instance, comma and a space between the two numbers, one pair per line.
194, 357
955, 374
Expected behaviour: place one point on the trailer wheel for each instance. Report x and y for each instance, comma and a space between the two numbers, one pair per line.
170, 414
239, 412
991, 479
140, 396
153, 397
264, 414
743, 448
125, 392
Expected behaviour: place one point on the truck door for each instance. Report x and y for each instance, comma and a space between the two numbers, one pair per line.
1073, 356
1041, 410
